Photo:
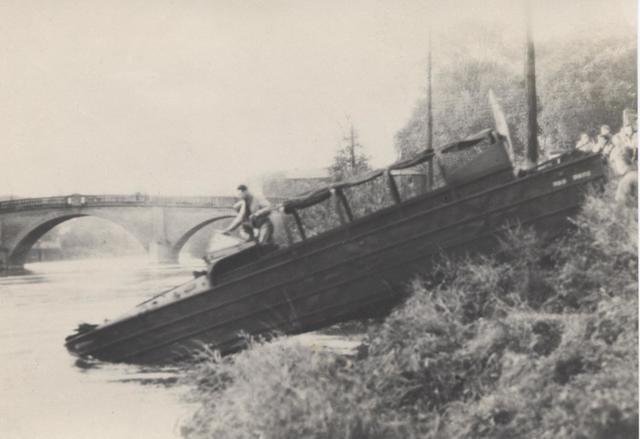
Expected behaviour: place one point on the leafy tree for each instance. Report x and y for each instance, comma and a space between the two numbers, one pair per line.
465, 69
350, 159
582, 84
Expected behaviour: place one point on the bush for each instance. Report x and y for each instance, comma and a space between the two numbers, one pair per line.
280, 390
538, 341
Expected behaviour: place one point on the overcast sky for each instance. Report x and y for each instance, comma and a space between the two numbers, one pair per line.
192, 97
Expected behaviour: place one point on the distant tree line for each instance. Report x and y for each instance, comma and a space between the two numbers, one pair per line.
581, 83
92, 237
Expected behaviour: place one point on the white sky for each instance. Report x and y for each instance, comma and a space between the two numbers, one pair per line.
192, 96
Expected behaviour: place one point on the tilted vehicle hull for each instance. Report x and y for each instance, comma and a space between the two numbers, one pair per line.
357, 270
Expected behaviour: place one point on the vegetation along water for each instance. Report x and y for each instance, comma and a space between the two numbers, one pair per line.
538, 341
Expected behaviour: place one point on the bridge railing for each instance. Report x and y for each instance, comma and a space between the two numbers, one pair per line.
26, 203
109, 199
139, 199
80, 200
192, 201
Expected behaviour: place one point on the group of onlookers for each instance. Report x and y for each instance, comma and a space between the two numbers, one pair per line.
620, 151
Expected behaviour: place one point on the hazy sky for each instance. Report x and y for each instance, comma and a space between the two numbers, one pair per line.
193, 97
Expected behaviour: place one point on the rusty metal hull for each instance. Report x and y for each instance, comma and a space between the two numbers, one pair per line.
354, 271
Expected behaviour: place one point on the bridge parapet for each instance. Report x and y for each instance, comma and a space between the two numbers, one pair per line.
162, 224
79, 200
26, 203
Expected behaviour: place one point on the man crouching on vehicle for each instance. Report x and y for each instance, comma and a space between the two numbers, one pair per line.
253, 214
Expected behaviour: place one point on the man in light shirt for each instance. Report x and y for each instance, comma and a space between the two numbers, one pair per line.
253, 215
623, 162
585, 143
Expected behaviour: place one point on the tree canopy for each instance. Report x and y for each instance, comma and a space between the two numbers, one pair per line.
350, 159
581, 83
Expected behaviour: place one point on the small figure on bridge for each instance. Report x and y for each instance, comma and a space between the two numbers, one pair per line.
253, 214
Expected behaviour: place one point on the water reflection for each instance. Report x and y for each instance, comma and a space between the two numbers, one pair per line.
46, 392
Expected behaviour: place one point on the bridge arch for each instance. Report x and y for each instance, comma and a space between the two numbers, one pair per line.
182, 241
34, 232
162, 224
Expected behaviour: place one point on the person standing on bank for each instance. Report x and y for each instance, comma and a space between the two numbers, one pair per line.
253, 214
585, 144
603, 141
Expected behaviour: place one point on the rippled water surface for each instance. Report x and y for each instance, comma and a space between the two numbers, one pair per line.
44, 393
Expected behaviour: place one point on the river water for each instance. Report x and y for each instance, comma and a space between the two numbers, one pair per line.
46, 393
43, 392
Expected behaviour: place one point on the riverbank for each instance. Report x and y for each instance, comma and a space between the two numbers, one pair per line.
537, 341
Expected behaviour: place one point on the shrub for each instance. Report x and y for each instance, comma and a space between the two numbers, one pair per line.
281, 390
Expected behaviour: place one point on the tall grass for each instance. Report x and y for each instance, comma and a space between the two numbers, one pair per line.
538, 341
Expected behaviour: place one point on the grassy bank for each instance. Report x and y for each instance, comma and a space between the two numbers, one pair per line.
538, 341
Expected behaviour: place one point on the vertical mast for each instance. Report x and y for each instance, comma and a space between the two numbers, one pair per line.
352, 148
429, 116
530, 84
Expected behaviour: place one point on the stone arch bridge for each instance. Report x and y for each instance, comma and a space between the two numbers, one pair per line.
162, 224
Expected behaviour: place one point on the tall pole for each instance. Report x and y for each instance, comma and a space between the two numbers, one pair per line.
429, 116
352, 148
530, 84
